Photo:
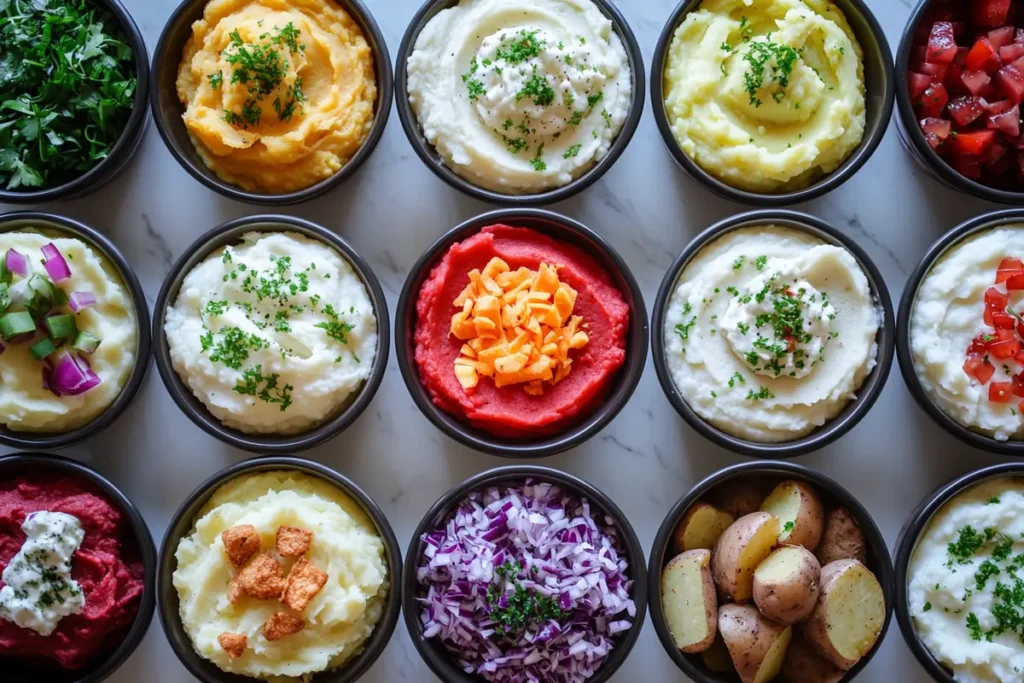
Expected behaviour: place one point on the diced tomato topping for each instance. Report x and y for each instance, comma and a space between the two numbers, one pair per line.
918, 84
941, 43
976, 366
1008, 122
1000, 37
1007, 267
995, 156
978, 345
1011, 52
934, 100
973, 144
990, 12
964, 110
1018, 385
1019, 358
996, 299
1003, 321
938, 127
975, 81
1011, 83
1000, 392
937, 72
982, 57
969, 167
1015, 282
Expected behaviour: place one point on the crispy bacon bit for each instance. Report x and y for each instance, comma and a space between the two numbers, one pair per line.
304, 582
262, 578
235, 591
240, 543
282, 625
292, 541
233, 643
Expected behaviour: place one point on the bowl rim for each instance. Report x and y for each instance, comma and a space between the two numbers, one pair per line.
167, 597
911, 132
626, 379
906, 543
882, 569
143, 540
869, 391
228, 233
93, 238
825, 184
385, 93
128, 142
961, 232
428, 155
439, 663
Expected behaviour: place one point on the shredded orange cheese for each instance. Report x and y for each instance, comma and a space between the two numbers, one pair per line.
517, 326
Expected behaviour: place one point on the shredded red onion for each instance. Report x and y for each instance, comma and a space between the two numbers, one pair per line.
79, 300
558, 554
16, 263
71, 376
56, 267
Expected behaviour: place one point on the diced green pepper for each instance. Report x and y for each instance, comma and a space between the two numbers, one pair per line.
86, 343
5, 297
40, 299
42, 348
13, 324
61, 326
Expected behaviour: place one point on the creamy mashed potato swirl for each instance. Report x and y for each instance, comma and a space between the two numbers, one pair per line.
766, 95
345, 545
770, 332
520, 96
25, 405
273, 334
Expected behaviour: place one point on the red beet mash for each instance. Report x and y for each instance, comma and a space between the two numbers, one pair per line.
510, 411
109, 573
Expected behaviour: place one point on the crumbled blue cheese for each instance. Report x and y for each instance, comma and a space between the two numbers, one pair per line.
39, 590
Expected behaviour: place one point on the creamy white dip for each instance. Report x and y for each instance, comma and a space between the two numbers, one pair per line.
273, 334
955, 618
948, 313
520, 96
39, 590
770, 332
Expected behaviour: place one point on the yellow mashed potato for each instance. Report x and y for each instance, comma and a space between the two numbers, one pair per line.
345, 545
279, 94
766, 95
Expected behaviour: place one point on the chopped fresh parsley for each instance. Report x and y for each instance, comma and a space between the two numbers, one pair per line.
762, 394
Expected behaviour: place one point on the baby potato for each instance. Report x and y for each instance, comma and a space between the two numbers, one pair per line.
756, 644
800, 513
738, 498
842, 538
803, 665
848, 618
700, 528
786, 584
739, 550
716, 658
689, 602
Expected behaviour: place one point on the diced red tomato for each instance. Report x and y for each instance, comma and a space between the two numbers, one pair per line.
969, 167
973, 144
994, 298
918, 84
964, 110
1015, 282
934, 100
975, 81
978, 367
1018, 385
1018, 37
936, 71
938, 127
941, 43
995, 156
1011, 83
1000, 107
1019, 358
1003, 321
1011, 52
990, 12
1001, 37
982, 57
1000, 392
1007, 122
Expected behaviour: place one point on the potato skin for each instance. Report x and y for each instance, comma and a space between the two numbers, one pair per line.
749, 636
677, 608
810, 520
701, 527
731, 569
842, 538
716, 658
819, 631
803, 665
792, 598
738, 498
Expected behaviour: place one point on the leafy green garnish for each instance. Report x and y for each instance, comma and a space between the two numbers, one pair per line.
779, 58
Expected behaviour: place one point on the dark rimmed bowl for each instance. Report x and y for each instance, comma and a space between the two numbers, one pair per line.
184, 520
866, 395
429, 156
28, 463
879, 86
903, 351
59, 225
131, 137
623, 383
167, 108
832, 493
230, 233
432, 651
906, 544
910, 132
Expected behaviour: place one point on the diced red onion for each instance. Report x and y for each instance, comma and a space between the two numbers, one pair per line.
56, 267
16, 263
72, 376
79, 300
564, 554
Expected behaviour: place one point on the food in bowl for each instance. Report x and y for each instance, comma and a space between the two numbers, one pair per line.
518, 333
963, 591
759, 590
768, 97
770, 332
68, 333
966, 82
70, 583
520, 97
283, 575
966, 332
273, 334
68, 91
526, 582
278, 96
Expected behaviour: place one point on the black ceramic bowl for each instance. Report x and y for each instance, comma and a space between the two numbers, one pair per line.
230, 233
184, 521
432, 651
910, 132
59, 226
167, 108
136, 536
622, 384
878, 77
866, 395
435, 163
131, 138
832, 494
949, 240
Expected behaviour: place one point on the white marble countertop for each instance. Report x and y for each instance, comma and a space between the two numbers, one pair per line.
392, 210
